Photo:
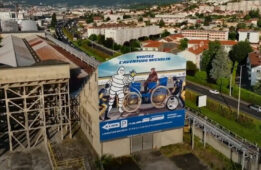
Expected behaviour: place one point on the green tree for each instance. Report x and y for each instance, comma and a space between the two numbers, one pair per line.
221, 65
254, 13
109, 43
140, 19
259, 23
161, 23
101, 39
240, 51
207, 20
93, 37
126, 16
257, 87
191, 68
165, 34
241, 25
201, 75
183, 44
247, 17
54, 20
209, 55
232, 35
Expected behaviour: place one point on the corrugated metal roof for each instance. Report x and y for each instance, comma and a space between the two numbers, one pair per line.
15, 53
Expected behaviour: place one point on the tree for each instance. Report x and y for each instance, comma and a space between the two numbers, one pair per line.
100, 39
93, 37
191, 68
140, 19
259, 23
207, 20
209, 55
54, 20
257, 87
165, 33
240, 51
254, 13
241, 25
126, 16
232, 35
183, 44
221, 65
201, 75
109, 43
161, 23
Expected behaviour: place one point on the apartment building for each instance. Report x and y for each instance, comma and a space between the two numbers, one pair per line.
249, 35
205, 34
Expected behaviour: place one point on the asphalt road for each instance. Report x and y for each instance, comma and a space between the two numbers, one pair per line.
223, 99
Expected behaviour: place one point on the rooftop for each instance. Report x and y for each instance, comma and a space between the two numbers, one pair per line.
255, 58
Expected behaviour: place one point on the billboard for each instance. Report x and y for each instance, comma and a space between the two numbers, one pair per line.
141, 92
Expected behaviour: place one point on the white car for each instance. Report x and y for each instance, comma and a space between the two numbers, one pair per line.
255, 107
214, 91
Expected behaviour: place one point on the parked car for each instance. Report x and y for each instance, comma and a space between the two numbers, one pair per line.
214, 91
255, 107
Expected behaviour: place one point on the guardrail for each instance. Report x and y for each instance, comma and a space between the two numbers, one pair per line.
248, 149
79, 54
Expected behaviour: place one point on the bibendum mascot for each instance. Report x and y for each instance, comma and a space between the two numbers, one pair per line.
117, 84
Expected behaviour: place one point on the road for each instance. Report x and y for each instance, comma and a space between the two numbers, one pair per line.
223, 99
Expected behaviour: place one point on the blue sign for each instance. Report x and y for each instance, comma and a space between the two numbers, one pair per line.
141, 124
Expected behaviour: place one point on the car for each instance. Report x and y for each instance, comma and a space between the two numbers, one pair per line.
214, 91
255, 107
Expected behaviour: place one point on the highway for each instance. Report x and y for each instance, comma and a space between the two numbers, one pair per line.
222, 98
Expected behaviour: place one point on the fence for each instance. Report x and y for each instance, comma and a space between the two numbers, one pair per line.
79, 54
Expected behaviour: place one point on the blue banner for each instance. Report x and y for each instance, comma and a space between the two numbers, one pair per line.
141, 124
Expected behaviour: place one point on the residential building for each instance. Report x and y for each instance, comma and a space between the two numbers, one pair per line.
205, 34
254, 67
249, 35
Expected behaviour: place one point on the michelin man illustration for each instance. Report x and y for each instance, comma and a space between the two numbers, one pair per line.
117, 84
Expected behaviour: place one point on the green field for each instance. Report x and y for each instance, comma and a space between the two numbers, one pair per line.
251, 131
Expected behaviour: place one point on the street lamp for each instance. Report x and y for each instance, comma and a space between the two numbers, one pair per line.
239, 91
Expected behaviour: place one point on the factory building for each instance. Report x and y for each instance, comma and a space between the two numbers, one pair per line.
9, 26
44, 89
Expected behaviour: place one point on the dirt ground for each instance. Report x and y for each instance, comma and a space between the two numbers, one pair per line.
35, 159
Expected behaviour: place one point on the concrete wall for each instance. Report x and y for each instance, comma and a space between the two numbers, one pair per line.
118, 147
89, 112
39, 73
225, 150
167, 137
23, 34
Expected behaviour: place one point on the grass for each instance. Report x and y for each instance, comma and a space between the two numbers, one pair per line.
208, 155
251, 133
246, 95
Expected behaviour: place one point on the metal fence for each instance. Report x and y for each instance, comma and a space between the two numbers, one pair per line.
79, 54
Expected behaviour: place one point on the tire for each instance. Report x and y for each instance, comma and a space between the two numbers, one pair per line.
131, 102
159, 100
172, 103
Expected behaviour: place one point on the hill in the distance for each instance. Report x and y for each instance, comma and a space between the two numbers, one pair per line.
95, 2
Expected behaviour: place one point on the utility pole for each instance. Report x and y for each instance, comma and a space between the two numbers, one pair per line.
239, 92
230, 86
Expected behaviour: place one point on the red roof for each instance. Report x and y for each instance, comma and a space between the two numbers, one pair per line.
224, 42
153, 44
198, 49
254, 58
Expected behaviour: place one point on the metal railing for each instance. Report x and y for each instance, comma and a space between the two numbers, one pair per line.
241, 145
79, 54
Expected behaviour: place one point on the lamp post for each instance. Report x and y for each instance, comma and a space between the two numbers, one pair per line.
239, 92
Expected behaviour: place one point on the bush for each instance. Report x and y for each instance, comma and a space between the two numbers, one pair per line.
191, 68
201, 75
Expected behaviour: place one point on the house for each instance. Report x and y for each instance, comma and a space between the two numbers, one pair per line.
194, 53
249, 35
175, 38
254, 67
152, 46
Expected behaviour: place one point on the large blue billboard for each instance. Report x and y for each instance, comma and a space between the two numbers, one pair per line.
141, 92
141, 124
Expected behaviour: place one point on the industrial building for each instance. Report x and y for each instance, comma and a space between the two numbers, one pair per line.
45, 88
9, 26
